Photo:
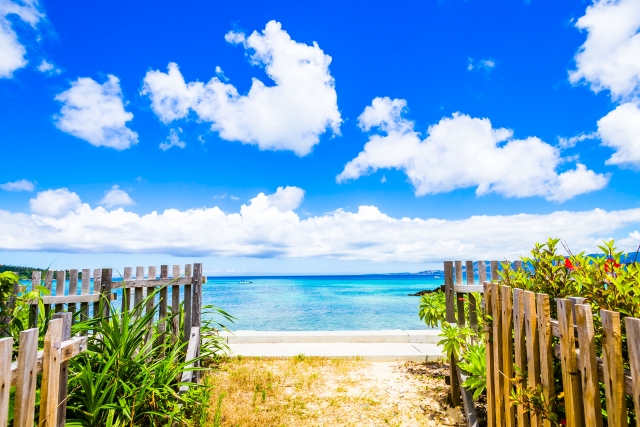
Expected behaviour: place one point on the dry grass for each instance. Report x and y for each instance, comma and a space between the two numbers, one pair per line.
311, 391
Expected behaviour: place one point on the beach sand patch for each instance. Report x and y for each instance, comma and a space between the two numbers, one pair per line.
313, 391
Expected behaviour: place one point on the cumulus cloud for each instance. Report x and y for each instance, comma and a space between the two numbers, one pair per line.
460, 152
173, 140
268, 226
48, 68
564, 143
95, 113
620, 130
20, 185
290, 115
12, 52
608, 59
55, 203
116, 197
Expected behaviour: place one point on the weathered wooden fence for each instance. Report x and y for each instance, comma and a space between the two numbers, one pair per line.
68, 302
521, 334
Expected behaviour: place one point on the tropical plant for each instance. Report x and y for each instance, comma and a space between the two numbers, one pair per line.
454, 339
474, 362
433, 308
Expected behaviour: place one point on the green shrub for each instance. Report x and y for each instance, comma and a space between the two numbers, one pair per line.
432, 310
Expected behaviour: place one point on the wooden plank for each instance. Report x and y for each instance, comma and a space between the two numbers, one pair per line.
450, 315
187, 303
51, 375
6, 349
459, 300
545, 340
73, 289
482, 272
633, 342
84, 290
498, 376
70, 348
105, 291
126, 292
468, 407
570, 379
613, 369
532, 347
26, 379
162, 309
61, 278
473, 315
146, 283
150, 305
138, 291
175, 306
67, 299
494, 267
33, 311
197, 308
520, 348
192, 347
48, 280
488, 335
64, 369
507, 353
588, 367
97, 287
465, 289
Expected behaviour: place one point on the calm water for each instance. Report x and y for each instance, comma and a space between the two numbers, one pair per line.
316, 303
320, 302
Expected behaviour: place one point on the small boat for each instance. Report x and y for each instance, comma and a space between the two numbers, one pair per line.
245, 281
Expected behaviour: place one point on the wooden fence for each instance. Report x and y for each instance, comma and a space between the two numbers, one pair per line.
173, 291
522, 334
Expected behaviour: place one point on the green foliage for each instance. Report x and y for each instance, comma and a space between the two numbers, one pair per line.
454, 339
432, 310
532, 400
131, 372
474, 362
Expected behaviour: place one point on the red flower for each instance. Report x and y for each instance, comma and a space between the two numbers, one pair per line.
610, 264
563, 422
568, 264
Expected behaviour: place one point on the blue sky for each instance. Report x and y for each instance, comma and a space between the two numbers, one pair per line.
489, 125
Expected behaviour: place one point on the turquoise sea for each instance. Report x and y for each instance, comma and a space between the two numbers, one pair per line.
315, 303
320, 302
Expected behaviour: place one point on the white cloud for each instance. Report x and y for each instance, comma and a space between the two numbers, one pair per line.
173, 140
20, 185
383, 179
290, 115
620, 130
116, 197
462, 152
95, 112
564, 143
48, 68
608, 59
484, 64
55, 203
12, 52
268, 226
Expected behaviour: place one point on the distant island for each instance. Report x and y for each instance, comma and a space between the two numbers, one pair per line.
419, 273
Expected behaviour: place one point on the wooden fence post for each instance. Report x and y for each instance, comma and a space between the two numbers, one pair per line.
137, 292
459, 301
507, 353
488, 301
126, 292
633, 340
187, 305
48, 280
533, 347
106, 287
84, 290
150, 305
546, 348
498, 376
73, 290
451, 318
26, 379
520, 348
162, 309
64, 369
570, 379
473, 314
613, 369
197, 309
6, 348
61, 278
175, 306
33, 309
51, 375
97, 289
588, 367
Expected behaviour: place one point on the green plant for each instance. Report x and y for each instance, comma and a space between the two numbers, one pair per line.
454, 339
532, 400
130, 377
432, 310
474, 362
